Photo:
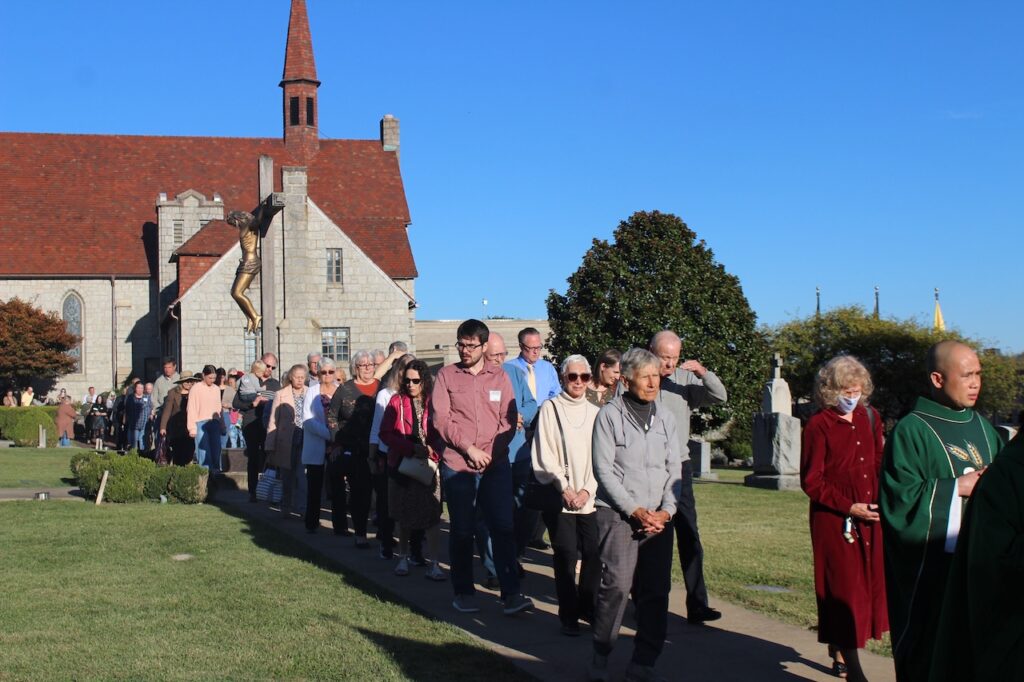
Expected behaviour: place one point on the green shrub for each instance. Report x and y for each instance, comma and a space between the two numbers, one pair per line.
128, 476
21, 425
158, 483
188, 483
90, 472
78, 460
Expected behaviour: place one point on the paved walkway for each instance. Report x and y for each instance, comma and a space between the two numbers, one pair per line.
743, 646
8, 494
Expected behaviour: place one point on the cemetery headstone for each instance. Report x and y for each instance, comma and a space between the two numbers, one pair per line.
776, 437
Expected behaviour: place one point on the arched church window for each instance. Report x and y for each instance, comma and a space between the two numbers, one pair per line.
71, 311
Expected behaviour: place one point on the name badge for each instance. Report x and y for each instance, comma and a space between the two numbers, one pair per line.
495, 396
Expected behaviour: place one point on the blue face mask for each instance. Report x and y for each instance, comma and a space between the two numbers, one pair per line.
846, 405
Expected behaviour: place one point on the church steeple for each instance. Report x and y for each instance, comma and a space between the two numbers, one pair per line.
299, 83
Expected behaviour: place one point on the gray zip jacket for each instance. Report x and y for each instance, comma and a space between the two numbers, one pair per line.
636, 469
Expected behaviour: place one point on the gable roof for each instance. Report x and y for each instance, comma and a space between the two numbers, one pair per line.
85, 205
213, 239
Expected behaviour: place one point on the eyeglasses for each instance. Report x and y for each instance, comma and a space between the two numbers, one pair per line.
498, 355
468, 346
410, 380
271, 366
327, 371
530, 348
573, 376
365, 365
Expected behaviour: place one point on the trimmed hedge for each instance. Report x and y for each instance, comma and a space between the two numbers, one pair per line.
21, 425
133, 478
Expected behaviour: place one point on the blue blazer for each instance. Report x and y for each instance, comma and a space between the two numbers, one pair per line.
519, 448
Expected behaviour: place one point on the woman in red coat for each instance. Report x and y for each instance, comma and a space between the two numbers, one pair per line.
840, 463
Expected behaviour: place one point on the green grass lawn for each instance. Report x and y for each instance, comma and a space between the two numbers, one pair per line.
34, 467
94, 593
758, 537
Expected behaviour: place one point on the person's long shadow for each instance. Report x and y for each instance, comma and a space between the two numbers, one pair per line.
534, 640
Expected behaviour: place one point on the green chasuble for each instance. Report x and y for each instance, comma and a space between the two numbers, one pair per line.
981, 631
927, 451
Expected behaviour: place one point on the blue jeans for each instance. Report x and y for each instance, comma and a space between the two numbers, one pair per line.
136, 439
491, 493
208, 443
523, 519
225, 429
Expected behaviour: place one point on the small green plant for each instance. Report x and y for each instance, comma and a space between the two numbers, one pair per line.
90, 472
79, 460
158, 483
128, 477
21, 425
188, 483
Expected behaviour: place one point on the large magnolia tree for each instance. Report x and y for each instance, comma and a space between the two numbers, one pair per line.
656, 274
34, 344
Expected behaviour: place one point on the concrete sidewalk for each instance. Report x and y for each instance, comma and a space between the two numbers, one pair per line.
743, 646
9, 494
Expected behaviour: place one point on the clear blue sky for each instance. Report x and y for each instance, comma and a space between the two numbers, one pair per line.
834, 144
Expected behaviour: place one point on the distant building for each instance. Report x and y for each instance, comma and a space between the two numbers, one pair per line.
124, 236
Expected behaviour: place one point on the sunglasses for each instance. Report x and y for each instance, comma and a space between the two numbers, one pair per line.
271, 366
573, 376
327, 371
410, 380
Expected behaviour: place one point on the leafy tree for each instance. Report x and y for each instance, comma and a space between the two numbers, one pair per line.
657, 275
894, 351
33, 344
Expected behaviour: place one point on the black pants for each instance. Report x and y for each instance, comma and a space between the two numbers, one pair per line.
385, 524
315, 474
255, 434
572, 536
691, 552
353, 470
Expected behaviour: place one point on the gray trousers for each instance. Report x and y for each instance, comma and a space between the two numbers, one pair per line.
642, 565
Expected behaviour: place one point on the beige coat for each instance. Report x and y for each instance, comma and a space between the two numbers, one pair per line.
281, 429
577, 417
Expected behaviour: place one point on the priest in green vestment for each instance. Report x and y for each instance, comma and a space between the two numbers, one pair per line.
932, 461
981, 631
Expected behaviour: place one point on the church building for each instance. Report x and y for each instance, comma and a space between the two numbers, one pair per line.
125, 238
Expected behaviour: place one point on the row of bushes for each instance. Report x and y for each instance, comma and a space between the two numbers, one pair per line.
134, 478
21, 425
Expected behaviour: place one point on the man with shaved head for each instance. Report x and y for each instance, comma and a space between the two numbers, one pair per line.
933, 460
685, 387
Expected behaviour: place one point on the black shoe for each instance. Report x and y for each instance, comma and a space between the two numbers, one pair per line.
387, 553
538, 544
344, 532
704, 614
418, 561
571, 629
311, 531
492, 582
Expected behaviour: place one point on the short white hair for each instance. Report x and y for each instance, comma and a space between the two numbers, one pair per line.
357, 357
572, 360
635, 359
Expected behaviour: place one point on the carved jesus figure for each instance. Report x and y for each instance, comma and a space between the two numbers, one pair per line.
248, 266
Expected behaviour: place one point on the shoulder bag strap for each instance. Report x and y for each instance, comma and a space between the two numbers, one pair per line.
565, 450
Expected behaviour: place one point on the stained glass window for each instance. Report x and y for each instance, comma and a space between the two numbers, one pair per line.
71, 311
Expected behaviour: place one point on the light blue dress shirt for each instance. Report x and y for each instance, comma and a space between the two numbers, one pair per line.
548, 385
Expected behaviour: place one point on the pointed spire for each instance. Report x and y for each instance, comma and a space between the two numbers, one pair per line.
301, 109
298, 57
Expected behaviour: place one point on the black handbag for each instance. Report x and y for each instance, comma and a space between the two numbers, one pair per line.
546, 497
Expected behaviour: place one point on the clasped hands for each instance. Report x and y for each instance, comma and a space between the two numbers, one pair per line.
477, 459
650, 522
574, 500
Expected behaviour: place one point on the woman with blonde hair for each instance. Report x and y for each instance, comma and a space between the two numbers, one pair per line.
839, 469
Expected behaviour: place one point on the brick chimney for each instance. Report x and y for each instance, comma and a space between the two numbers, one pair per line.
301, 110
389, 134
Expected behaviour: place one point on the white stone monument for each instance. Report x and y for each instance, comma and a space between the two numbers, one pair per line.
776, 437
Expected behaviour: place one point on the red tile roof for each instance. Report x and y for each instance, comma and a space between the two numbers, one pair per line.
298, 54
86, 204
213, 239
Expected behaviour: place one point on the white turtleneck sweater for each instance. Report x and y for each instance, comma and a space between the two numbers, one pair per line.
577, 416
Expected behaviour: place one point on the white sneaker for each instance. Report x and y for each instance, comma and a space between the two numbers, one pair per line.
403, 567
435, 573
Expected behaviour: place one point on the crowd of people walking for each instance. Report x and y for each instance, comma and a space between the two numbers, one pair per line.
597, 454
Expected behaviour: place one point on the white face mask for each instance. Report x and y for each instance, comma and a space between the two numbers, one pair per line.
846, 405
